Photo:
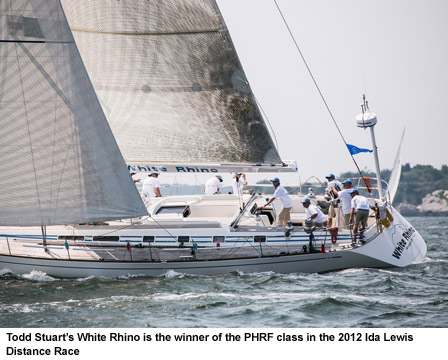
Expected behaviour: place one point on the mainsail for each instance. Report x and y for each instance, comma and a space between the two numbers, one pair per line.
170, 82
59, 162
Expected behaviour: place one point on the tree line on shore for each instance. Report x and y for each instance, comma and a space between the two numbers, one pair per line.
415, 182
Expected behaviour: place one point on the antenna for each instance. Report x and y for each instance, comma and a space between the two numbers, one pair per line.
368, 120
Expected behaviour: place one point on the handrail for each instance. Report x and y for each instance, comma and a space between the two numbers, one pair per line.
234, 223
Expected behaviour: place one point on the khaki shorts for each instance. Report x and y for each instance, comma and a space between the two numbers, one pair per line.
283, 217
361, 217
331, 211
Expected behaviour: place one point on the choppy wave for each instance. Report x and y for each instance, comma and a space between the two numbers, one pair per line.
415, 296
38, 276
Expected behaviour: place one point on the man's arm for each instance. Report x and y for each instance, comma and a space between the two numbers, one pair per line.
268, 203
335, 192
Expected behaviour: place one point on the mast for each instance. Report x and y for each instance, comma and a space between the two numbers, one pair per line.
368, 120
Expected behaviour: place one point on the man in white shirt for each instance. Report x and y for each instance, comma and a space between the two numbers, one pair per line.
136, 180
151, 187
280, 193
331, 179
213, 185
239, 181
359, 212
332, 183
314, 213
345, 201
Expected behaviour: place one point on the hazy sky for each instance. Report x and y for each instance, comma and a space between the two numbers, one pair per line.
396, 51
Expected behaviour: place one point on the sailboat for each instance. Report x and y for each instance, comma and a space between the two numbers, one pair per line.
92, 90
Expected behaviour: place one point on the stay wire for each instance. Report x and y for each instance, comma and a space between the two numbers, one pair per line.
317, 86
269, 123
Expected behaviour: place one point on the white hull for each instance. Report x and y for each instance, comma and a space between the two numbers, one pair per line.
279, 264
398, 245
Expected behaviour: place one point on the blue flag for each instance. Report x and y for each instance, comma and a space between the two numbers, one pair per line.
356, 150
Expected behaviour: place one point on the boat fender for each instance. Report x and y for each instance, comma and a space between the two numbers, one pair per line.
304, 248
383, 216
389, 215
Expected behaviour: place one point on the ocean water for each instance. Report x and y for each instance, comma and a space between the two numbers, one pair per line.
415, 296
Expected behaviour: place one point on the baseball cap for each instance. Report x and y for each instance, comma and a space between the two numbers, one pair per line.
348, 181
354, 191
330, 176
306, 200
154, 173
275, 180
219, 176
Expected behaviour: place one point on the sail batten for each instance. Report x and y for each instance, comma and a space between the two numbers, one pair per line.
170, 81
59, 162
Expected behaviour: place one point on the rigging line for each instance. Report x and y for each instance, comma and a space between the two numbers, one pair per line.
315, 83
28, 126
269, 123
309, 71
163, 228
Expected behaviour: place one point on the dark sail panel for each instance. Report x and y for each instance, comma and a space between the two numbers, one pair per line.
170, 82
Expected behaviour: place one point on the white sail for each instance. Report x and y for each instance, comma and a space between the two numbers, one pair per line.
395, 175
170, 82
59, 162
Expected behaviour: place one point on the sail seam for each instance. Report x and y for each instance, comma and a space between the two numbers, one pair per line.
36, 41
149, 33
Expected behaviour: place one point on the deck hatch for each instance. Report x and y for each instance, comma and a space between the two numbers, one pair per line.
179, 210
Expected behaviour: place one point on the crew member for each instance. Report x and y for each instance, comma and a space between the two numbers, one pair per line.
314, 213
311, 193
332, 182
213, 185
136, 180
359, 213
239, 181
346, 200
280, 193
151, 187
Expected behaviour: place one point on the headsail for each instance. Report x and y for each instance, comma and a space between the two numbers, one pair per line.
394, 179
170, 82
59, 162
